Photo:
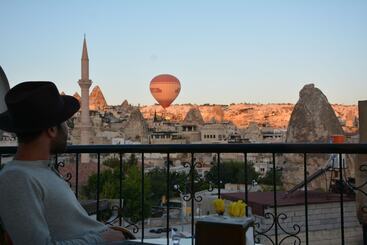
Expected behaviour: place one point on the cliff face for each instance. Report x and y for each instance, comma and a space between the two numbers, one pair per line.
272, 115
97, 102
212, 113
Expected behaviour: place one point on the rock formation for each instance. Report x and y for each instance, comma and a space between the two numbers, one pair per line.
312, 120
125, 105
97, 101
77, 96
136, 128
194, 117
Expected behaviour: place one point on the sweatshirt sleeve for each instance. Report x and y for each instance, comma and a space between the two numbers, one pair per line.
21, 212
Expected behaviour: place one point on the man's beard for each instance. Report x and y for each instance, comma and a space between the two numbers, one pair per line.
58, 145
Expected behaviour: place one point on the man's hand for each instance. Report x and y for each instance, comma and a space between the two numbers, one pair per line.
112, 235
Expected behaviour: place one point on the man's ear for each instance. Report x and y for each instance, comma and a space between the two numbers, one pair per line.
52, 132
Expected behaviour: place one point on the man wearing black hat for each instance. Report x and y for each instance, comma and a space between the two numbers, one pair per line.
36, 204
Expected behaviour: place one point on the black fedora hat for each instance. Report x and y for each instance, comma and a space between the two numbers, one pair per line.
33, 106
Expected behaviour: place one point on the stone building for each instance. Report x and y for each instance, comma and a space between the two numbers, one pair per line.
252, 133
217, 132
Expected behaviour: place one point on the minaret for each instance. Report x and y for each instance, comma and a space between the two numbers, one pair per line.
85, 84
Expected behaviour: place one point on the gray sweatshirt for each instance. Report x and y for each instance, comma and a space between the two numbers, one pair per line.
38, 207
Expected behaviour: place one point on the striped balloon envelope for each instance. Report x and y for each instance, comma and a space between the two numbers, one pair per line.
165, 89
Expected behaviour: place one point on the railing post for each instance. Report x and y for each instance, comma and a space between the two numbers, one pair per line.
192, 168
98, 179
306, 193
246, 183
142, 197
275, 200
218, 168
167, 193
77, 175
341, 189
119, 213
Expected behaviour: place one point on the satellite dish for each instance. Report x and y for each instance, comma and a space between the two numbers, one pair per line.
4, 88
165, 89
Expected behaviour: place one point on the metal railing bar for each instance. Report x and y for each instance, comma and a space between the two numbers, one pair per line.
168, 199
246, 182
142, 197
218, 168
77, 175
209, 148
341, 186
275, 200
98, 179
119, 213
192, 197
306, 194
224, 148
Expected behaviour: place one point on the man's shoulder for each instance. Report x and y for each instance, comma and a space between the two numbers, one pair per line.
14, 173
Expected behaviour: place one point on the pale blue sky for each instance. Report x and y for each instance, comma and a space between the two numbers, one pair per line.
221, 51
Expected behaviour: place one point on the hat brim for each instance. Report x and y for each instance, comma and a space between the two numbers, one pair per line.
71, 106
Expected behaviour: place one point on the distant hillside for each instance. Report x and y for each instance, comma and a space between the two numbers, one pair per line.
273, 115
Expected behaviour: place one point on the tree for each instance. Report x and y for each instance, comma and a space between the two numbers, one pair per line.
114, 162
109, 182
158, 180
131, 189
268, 179
108, 185
232, 172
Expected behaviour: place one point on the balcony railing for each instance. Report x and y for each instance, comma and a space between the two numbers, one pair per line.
273, 233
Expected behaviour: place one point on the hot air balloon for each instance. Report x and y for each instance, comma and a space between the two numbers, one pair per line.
165, 89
